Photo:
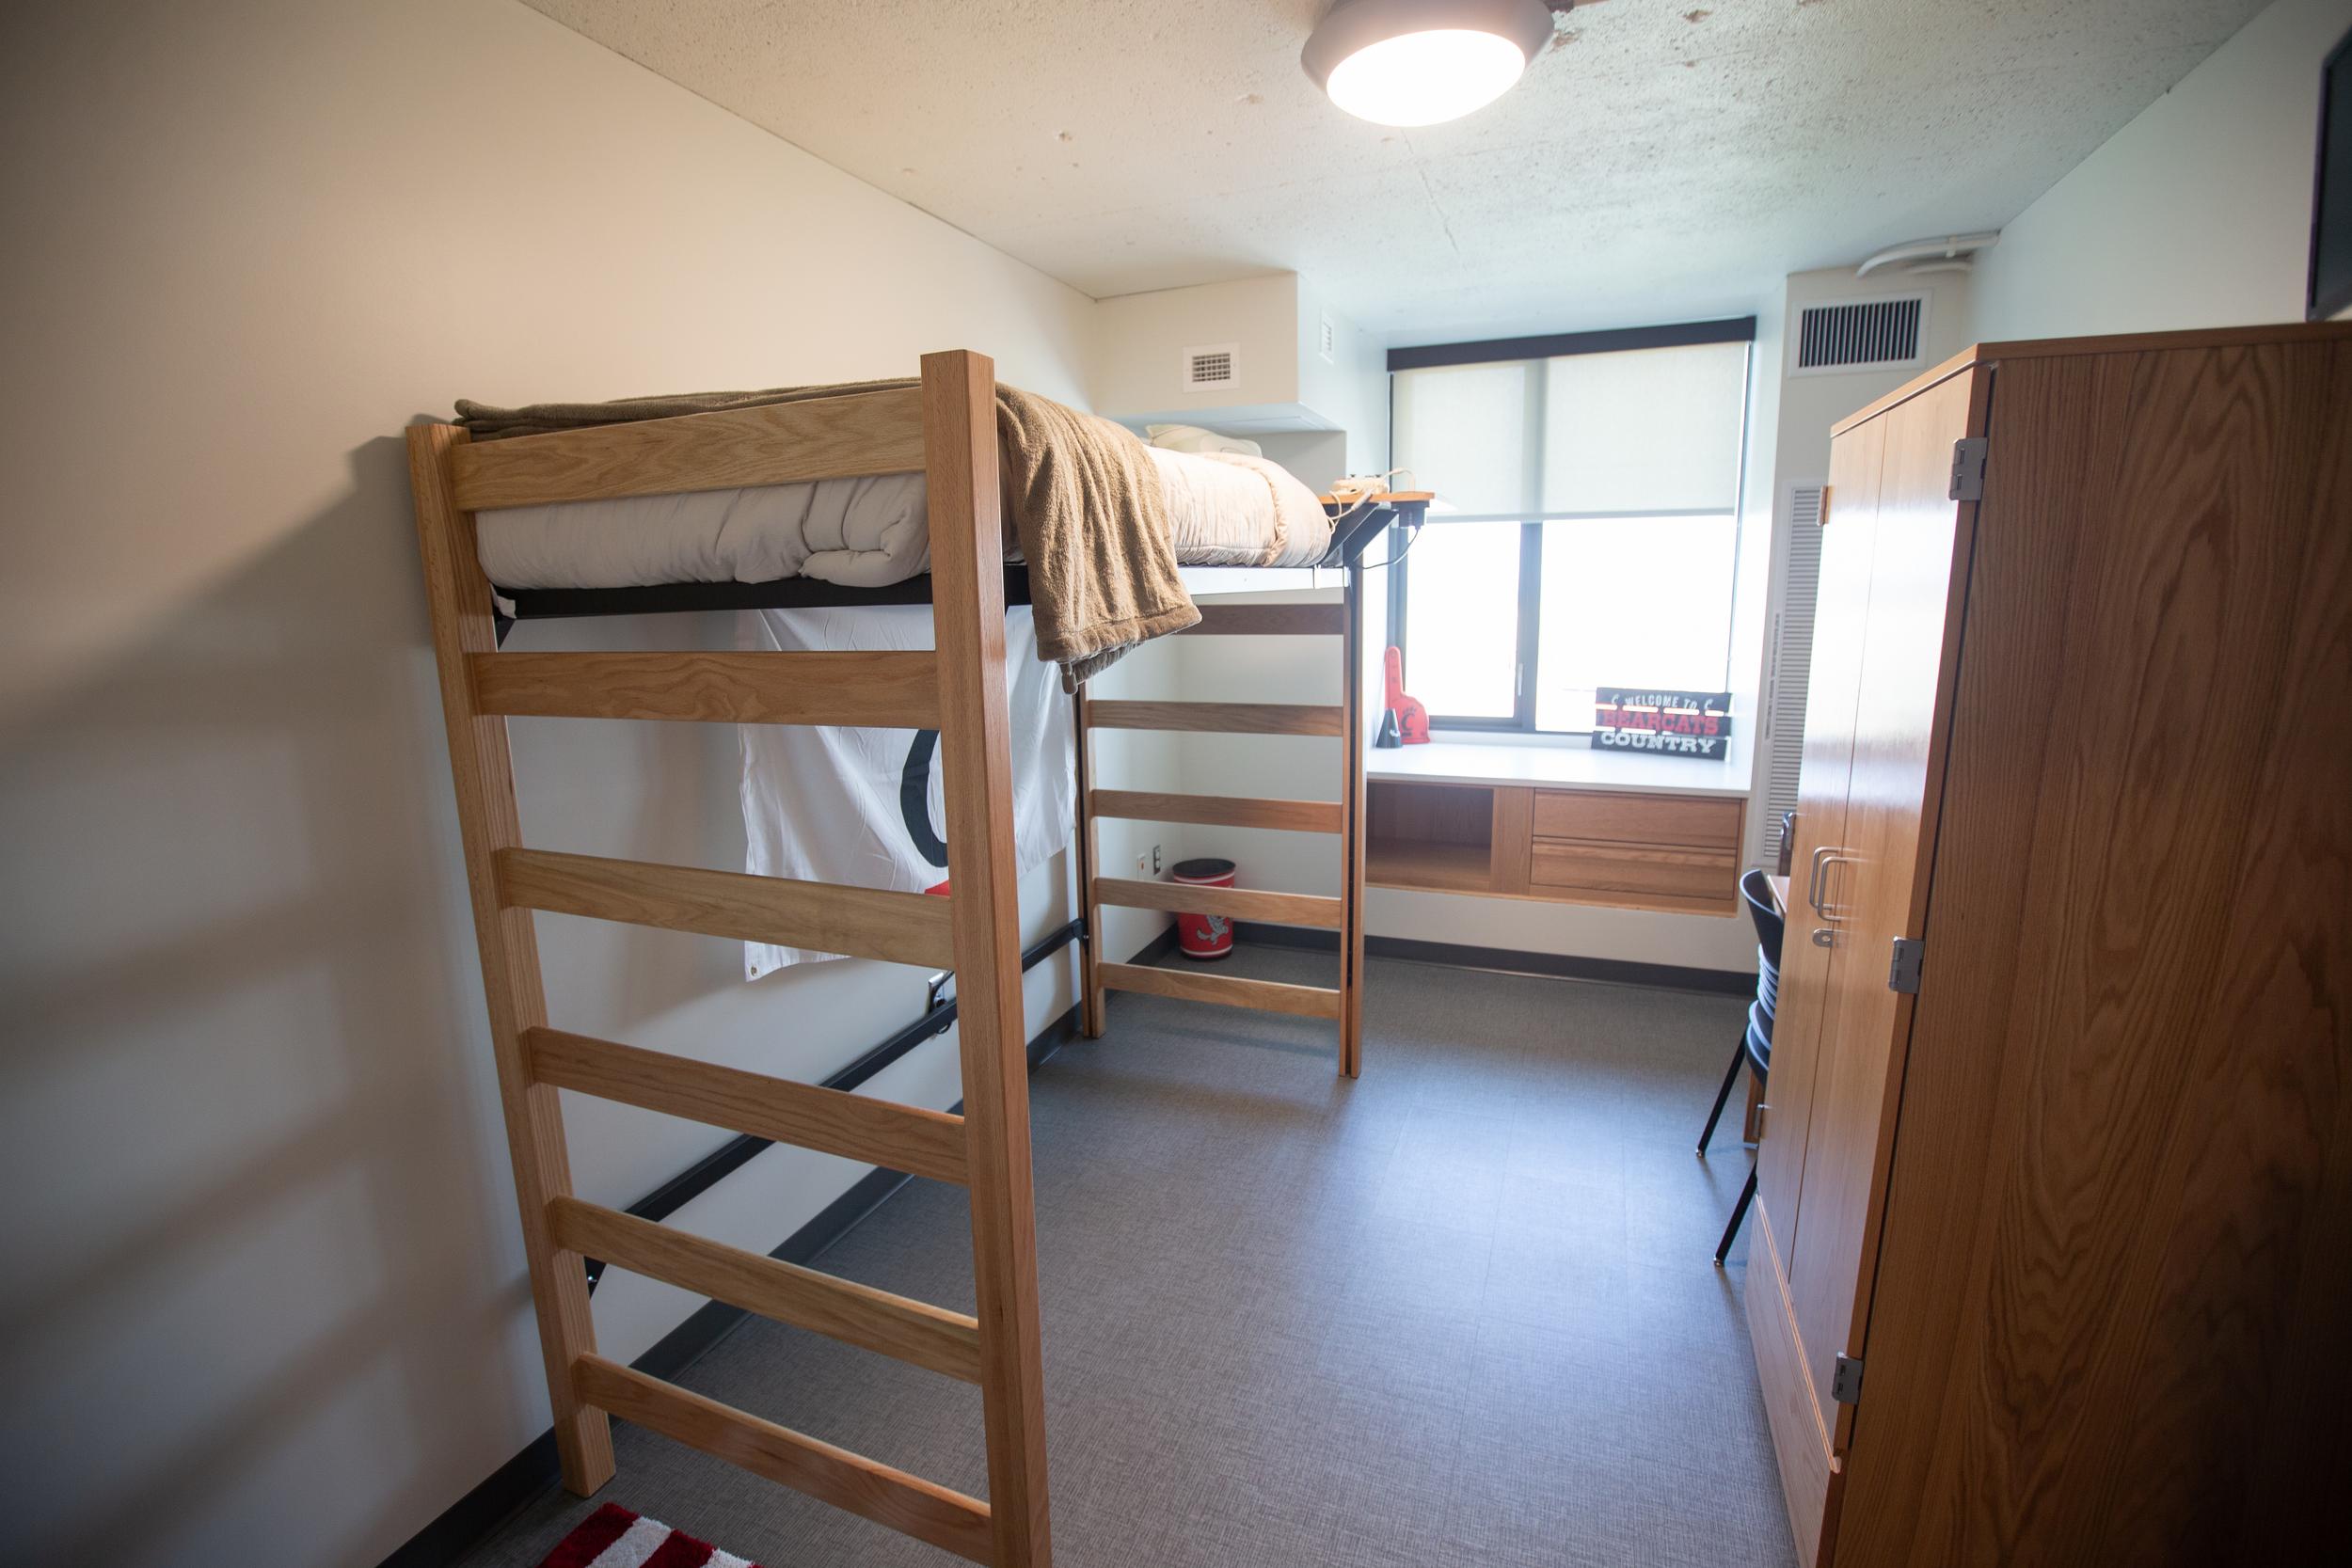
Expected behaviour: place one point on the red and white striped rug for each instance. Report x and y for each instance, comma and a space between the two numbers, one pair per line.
612, 1537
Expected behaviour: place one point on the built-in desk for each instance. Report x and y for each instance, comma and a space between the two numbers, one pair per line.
1559, 824
1560, 767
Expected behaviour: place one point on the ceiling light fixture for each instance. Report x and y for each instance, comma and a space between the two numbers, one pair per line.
1417, 62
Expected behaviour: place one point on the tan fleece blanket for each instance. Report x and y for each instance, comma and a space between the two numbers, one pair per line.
1083, 500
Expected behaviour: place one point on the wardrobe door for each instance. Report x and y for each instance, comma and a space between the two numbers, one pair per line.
1848, 523
1801, 1440
1876, 883
2109, 1324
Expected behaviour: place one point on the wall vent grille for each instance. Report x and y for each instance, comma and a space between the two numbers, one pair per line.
1860, 334
1791, 671
1211, 366
1328, 342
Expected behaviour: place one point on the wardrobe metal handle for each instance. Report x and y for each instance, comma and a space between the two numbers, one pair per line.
1813, 884
1831, 911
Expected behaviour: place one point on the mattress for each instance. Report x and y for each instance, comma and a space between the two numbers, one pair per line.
1225, 510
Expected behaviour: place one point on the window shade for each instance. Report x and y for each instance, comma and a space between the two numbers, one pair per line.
1649, 430
1465, 428
1628, 431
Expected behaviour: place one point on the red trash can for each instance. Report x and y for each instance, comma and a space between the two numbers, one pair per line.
1204, 936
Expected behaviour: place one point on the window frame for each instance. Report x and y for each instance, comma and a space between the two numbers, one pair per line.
1532, 352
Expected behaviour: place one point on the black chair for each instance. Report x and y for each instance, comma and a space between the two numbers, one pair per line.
1755, 1040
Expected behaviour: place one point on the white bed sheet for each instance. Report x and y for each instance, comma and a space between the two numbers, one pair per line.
1225, 509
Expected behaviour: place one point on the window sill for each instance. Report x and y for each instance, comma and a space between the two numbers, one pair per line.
1553, 765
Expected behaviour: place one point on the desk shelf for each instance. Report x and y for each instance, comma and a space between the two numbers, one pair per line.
1429, 867
1649, 851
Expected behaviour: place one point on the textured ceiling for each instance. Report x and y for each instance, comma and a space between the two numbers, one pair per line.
1661, 160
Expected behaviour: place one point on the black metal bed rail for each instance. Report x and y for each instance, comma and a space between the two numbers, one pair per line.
1351, 531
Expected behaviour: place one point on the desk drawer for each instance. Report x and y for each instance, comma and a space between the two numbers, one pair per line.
1692, 821
1680, 873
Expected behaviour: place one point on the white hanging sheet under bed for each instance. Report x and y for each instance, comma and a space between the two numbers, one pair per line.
864, 807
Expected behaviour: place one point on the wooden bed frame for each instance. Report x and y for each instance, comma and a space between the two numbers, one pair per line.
946, 429
1344, 914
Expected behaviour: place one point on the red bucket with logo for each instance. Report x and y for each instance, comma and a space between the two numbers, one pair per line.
1204, 936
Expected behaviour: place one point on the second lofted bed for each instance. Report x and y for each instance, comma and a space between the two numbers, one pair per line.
891, 494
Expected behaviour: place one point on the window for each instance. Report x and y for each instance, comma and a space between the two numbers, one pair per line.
1594, 521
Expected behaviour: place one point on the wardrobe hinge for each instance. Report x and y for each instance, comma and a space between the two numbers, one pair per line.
1845, 1381
1902, 971
1968, 469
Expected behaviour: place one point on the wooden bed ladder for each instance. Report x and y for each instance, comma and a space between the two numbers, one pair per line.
949, 430
1342, 1003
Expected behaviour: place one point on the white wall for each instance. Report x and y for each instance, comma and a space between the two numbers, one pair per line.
2196, 214
1141, 340
1353, 390
1809, 405
1789, 439
263, 1301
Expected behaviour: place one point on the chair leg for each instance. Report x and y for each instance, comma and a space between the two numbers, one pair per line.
1731, 1076
1738, 1212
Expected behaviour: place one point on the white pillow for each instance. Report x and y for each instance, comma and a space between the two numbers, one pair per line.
1191, 438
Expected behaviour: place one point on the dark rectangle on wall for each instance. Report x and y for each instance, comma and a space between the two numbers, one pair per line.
1675, 335
2329, 288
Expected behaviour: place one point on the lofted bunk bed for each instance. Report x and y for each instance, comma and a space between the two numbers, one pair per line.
482, 506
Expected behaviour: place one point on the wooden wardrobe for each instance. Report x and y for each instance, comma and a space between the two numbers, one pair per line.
2052, 1259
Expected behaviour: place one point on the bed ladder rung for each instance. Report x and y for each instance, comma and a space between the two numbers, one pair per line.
1230, 990
892, 691
1270, 620
878, 1131
1282, 909
1216, 811
911, 1331
867, 1487
845, 436
864, 923
1218, 718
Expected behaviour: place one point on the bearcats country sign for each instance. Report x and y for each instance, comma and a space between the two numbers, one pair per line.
1672, 724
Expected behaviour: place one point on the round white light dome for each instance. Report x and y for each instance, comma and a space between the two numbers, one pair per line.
1418, 62
1425, 78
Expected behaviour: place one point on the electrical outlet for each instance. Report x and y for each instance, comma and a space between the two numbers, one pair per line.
1143, 865
1156, 860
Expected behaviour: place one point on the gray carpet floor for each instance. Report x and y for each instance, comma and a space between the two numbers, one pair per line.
1460, 1311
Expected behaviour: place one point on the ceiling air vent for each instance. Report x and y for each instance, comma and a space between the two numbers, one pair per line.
1860, 334
1210, 367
